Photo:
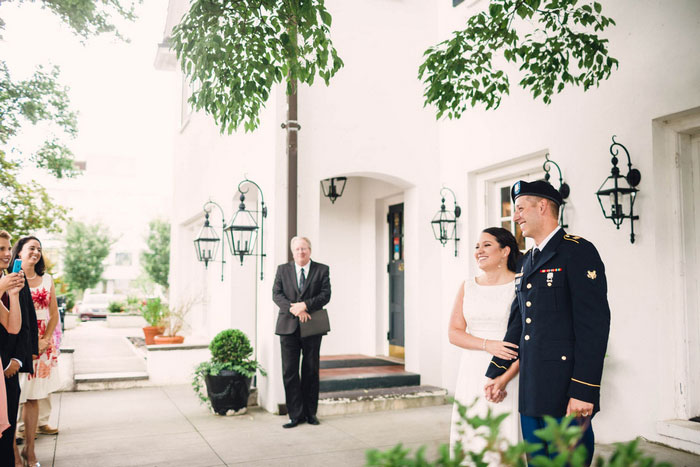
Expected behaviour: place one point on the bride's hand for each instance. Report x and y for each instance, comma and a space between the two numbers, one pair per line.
494, 391
501, 349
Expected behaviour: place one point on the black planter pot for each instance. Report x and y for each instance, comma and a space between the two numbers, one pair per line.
227, 390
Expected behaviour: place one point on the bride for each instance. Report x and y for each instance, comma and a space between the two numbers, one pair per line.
478, 323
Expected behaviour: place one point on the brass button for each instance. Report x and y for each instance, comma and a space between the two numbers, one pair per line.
529, 286
527, 337
528, 303
549, 284
528, 320
563, 357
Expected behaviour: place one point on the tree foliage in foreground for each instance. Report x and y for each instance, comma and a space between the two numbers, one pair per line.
561, 438
561, 48
234, 52
86, 248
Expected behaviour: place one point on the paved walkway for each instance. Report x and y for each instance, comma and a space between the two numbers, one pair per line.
99, 349
167, 426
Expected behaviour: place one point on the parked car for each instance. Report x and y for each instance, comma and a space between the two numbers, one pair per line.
95, 306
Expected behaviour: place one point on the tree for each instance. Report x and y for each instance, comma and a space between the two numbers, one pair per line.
86, 248
561, 49
38, 99
234, 52
156, 260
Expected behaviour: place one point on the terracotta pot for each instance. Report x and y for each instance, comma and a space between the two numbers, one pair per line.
149, 332
169, 340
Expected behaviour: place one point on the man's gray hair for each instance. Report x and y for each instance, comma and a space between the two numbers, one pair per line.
295, 238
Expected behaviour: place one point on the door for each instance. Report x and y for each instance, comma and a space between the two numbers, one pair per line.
395, 269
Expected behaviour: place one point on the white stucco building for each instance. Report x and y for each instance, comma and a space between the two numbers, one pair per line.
370, 126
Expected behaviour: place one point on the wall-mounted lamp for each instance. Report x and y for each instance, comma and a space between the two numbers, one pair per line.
333, 188
444, 222
207, 242
617, 202
241, 232
564, 188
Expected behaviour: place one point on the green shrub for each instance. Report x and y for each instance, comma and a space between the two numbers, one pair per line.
116, 307
153, 311
230, 350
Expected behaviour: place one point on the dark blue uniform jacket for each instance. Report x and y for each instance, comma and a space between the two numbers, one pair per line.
560, 318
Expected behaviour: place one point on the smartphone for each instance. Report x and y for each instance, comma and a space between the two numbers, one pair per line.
17, 266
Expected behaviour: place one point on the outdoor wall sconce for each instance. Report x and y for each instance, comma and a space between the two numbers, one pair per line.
330, 187
564, 188
444, 223
617, 202
207, 242
242, 231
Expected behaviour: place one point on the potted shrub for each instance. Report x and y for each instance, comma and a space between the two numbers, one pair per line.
228, 374
173, 321
152, 311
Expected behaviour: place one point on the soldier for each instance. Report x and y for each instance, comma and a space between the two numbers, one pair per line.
560, 318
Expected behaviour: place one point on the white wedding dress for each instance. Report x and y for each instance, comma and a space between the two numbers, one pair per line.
486, 310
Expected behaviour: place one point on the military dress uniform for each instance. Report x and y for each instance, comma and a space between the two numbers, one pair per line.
560, 319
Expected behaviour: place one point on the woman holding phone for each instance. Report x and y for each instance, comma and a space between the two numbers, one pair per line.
45, 379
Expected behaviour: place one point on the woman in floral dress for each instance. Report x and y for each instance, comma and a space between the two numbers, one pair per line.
46, 378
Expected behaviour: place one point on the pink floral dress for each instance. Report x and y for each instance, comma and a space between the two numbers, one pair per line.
45, 379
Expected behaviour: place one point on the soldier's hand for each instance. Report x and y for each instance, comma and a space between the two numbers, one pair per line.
579, 408
501, 349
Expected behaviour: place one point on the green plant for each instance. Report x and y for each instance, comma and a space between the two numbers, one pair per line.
230, 350
560, 436
156, 259
116, 307
133, 304
153, 311
560, 47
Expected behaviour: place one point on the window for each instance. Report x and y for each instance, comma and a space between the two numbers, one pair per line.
122, 259
491, 186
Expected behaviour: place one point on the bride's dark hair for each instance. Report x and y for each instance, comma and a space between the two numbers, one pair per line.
506, 239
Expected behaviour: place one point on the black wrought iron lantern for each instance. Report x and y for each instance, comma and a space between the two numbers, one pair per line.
333, 188
207, 242
564, 188
242, 231
618, 193
444, 222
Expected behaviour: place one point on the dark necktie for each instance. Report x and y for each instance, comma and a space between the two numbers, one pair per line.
535, 255
302, 280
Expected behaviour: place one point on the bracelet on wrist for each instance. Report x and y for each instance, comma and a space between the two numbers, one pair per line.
483, 345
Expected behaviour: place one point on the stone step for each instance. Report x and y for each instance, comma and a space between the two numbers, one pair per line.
103, 381
379, 399
350, 361
345, 379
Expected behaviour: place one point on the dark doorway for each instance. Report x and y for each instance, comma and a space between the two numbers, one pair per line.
395, 269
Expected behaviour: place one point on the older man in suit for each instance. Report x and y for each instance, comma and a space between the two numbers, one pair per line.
302, 287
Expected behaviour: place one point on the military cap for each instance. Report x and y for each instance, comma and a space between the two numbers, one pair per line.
537, 188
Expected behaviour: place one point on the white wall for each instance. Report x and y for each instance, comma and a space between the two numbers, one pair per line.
370, 125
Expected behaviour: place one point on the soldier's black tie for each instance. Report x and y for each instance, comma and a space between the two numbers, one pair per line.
535, 255
302, 280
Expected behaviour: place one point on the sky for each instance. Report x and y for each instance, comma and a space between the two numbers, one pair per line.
128, 115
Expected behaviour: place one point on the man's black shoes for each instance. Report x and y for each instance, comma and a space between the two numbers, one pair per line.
311, 420
292, 423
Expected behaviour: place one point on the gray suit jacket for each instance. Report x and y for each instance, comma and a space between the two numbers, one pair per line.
316, 293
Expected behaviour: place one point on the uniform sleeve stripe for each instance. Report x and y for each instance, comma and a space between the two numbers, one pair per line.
582, 382
499, 366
